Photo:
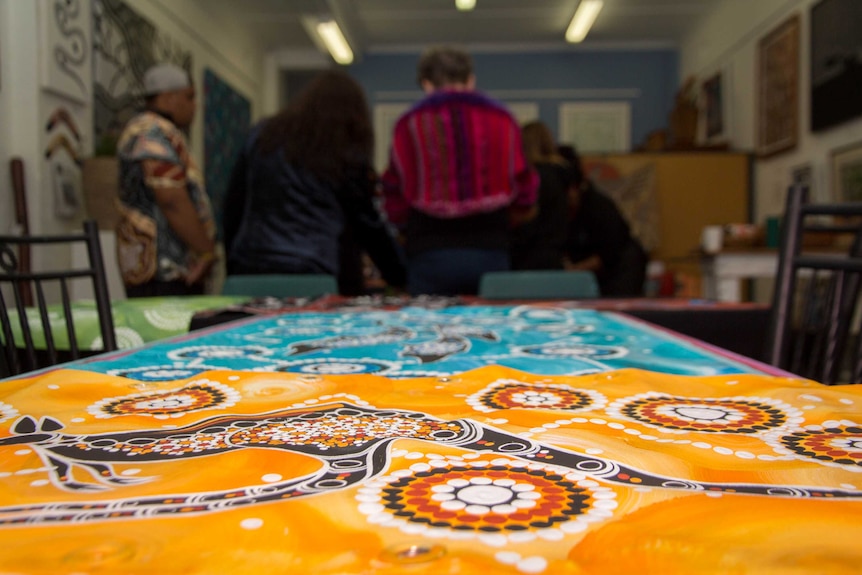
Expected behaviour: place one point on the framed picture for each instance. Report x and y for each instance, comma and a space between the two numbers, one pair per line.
847, 173
65, 40
778, 89
596, 127
713, 106
836, 63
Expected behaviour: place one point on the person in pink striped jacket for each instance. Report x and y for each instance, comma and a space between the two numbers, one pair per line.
457, 179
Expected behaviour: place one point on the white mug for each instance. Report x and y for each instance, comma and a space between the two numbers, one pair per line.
711, 239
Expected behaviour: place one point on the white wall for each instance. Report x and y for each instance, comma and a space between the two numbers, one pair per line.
728, 41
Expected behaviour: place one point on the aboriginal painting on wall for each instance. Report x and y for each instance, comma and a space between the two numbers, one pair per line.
227, 114
125, 45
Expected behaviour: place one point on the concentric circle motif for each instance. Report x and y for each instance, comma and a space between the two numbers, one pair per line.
513, 394
159, 372
195, 396
127, 338
564, 350
834, 442
169, 318
333, 366
231, 352
714, 415
504, 501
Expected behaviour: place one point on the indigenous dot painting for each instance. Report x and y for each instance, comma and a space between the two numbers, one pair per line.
486, 499
833, 442
175, 403
515, 394
417, 341
492, 470
717, 415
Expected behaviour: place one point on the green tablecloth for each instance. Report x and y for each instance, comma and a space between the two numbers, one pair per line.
136, 321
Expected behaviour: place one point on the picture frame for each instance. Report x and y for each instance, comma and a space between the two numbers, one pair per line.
64, 52
846, 165
713, 105
835, 63
596, 127
778, 89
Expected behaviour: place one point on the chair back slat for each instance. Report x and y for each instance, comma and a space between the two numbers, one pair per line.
100, 285
24, 355
46, 323
11, 362
70, 320
24, 324
817, 296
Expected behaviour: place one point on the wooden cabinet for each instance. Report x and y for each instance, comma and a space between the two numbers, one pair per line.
669, 197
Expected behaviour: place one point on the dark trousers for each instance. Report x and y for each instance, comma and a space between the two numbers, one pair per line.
452, 272
158, 289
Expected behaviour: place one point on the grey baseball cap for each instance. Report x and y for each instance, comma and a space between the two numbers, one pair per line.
165, 78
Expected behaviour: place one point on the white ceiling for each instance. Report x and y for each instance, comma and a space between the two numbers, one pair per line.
392, 25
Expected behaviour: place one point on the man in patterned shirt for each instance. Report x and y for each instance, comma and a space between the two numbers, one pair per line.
165, 236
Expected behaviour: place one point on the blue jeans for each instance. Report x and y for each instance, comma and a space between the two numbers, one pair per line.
452, 271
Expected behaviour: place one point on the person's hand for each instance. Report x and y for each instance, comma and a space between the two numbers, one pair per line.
199, 269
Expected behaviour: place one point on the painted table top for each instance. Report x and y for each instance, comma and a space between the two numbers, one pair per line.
489, 471
419, 341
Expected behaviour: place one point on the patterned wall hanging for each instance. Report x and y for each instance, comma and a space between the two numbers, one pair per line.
64, 45
227, 115
125, 45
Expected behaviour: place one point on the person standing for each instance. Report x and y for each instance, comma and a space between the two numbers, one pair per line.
540, 243
165, 235
301, 197
599, 237
457, 179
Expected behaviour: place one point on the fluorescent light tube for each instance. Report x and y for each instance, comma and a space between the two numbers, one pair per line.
335, 42
465, 4
582, 21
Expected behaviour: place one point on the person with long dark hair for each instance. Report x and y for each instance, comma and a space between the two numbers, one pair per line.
540, 243
301, 198
599, 237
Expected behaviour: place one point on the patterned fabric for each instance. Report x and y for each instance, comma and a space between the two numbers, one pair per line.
414, 341
455, 154
136, 321
492, 471
153, 153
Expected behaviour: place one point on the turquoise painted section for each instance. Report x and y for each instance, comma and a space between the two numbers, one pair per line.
650, 78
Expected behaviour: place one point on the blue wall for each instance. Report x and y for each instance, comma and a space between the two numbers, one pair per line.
647, 79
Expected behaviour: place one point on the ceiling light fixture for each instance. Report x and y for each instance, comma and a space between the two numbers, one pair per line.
582, 21
335, 42
465, 5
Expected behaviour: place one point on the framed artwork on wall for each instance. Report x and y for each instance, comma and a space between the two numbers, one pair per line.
385, 116
836, 63
65, 40
713, 106
847, 173
778, 89
596, 126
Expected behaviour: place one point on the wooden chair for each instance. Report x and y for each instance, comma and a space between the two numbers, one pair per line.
539, 284
817, 295
280, 285
24, 355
